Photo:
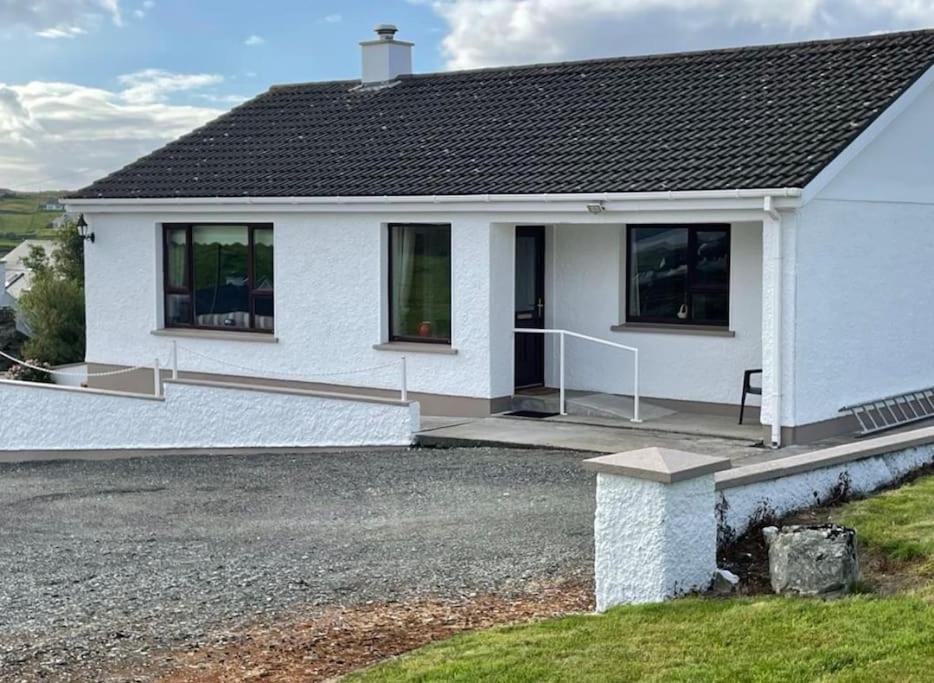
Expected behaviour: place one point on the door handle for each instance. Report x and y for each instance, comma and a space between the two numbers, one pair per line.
541, 307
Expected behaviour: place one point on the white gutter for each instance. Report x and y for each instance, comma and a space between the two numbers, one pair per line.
594, 197
776, 360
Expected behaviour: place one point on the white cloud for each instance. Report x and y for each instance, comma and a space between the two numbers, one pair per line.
496, 32
59, 18
254, 41
61, 32
63, 135
332, 19
154, 85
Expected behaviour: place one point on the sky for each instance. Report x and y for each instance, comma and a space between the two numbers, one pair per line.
87, 86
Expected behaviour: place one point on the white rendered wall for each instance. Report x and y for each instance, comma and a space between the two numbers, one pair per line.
330, 302
865, 248
741, 506
652, 541
49, 417
585, 281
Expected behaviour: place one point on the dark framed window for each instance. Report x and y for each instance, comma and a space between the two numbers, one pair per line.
420, 283
678, 274
219, 276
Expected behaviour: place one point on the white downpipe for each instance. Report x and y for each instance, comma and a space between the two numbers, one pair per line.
174, 359
596, 340
776, 360
404, 382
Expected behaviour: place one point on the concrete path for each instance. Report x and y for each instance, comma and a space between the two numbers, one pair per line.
571, 433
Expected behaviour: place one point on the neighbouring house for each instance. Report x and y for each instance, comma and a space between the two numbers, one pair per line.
60, 222
17, 277
763, 207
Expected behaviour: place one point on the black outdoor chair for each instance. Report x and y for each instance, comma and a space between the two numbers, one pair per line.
748, 388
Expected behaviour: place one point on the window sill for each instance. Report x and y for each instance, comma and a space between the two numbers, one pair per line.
657, 328
216, 334
415, 347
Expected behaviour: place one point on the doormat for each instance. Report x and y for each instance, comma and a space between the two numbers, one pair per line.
535, 414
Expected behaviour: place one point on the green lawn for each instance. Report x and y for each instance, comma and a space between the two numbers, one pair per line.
860, 638
898, 523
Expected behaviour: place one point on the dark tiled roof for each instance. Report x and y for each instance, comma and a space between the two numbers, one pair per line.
769, 116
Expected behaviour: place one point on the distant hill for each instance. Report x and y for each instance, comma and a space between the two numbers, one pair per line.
24, 215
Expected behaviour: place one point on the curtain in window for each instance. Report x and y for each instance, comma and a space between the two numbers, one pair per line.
420, 282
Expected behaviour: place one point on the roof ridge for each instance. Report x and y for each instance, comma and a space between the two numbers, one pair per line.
736, 49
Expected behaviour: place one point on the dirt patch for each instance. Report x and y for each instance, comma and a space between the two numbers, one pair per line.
748, 558
342, 639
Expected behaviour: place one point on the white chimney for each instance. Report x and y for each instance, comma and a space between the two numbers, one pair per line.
385, 58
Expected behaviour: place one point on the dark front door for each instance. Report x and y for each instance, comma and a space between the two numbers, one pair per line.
530, 306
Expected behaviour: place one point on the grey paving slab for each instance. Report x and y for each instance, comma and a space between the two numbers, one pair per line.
555, 433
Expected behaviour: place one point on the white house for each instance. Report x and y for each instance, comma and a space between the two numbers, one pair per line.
17, 277
764, 207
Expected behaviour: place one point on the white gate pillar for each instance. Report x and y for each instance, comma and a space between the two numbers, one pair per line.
655, 528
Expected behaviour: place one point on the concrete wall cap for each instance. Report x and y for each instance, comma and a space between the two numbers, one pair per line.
657, 464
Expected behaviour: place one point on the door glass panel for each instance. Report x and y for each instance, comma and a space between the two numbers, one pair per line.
526, 277
222, 292
658, 273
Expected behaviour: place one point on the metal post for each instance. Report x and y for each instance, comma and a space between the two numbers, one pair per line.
564, 410
174, 359
404, 389
635, 386
157, 377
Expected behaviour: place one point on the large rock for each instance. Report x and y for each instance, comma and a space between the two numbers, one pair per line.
812, 560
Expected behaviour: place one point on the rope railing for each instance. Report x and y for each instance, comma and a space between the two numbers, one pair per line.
276, 374
66, 373
157, 367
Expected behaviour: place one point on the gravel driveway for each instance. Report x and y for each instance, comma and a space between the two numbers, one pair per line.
103, 563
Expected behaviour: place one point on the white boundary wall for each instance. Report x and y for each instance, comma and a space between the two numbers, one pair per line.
656, 534
744, 499
41, 417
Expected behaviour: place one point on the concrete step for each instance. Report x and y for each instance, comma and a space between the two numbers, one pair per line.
584, 404
610, 405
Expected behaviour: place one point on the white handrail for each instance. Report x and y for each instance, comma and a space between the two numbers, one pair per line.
564, 333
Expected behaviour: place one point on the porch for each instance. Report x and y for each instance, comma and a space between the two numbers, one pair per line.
669, 315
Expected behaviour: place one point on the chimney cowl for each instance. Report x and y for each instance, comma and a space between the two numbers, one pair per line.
385, 58
386, 31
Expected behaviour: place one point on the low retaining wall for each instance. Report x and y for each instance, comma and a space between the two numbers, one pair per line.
45, 417
632, 565
747, 496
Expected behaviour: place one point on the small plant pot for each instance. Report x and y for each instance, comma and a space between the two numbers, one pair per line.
424, 329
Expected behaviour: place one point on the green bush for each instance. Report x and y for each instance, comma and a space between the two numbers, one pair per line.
53, 307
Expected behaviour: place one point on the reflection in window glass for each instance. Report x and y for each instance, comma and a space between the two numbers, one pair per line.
262, 259
222, 292
231, 277
177, 309
177, 258
679, 274
420, 282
